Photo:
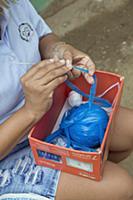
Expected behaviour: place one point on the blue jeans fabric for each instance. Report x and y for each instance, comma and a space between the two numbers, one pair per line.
19, 174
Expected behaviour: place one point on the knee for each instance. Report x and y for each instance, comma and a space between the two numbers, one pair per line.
127, 194
125, 188
129, 189
120, 184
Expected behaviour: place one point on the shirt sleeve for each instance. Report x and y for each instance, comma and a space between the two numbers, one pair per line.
38, 22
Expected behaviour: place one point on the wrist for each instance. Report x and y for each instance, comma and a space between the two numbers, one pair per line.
33, 115
29, 115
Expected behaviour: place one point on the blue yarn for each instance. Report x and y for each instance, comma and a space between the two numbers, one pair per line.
91, 97
84, 126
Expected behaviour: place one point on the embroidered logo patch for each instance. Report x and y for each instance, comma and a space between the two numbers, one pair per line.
26, 31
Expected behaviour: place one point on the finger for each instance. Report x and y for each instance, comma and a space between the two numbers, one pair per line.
33, 70
89, 78
82, 63
77, 60
76, 73
52, 75
80, 60
68, 58
91, 67
49, 68
56, 82
86, 62
70, 75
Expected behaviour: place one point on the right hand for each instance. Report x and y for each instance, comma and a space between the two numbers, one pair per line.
39, 84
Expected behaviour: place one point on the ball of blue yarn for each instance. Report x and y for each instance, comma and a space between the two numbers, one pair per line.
85, 126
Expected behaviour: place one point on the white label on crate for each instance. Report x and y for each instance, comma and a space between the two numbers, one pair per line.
80, 165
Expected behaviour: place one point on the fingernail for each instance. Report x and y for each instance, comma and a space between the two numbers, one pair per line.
62, 61
68, 63
56, 58
91, 71
89, 78
51, 60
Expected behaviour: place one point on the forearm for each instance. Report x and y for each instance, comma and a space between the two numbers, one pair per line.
46, 45
13, 129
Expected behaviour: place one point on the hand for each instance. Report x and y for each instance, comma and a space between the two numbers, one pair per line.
39, 84
73, 56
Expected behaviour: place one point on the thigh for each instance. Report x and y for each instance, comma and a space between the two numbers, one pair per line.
20, 174
122, 132
116, 184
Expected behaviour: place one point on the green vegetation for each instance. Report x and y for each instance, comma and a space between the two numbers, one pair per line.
41, 4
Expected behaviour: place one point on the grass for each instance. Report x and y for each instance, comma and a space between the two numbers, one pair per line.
41, 4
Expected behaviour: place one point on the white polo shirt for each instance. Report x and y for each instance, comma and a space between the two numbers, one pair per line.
21, 29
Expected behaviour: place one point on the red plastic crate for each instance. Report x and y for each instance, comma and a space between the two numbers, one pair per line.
94, 160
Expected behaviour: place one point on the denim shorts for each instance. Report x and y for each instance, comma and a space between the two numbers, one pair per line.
22, 179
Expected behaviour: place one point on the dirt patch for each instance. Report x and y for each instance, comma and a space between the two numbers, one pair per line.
108, 39
55, 7
105, 35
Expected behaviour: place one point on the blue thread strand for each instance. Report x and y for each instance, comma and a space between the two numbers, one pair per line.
81, 69
101, 101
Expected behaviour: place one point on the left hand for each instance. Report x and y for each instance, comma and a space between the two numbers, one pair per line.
72, 56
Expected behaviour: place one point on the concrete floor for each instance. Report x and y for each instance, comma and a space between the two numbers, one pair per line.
104, 30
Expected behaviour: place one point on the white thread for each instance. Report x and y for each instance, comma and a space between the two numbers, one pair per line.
110, 88
23, 63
